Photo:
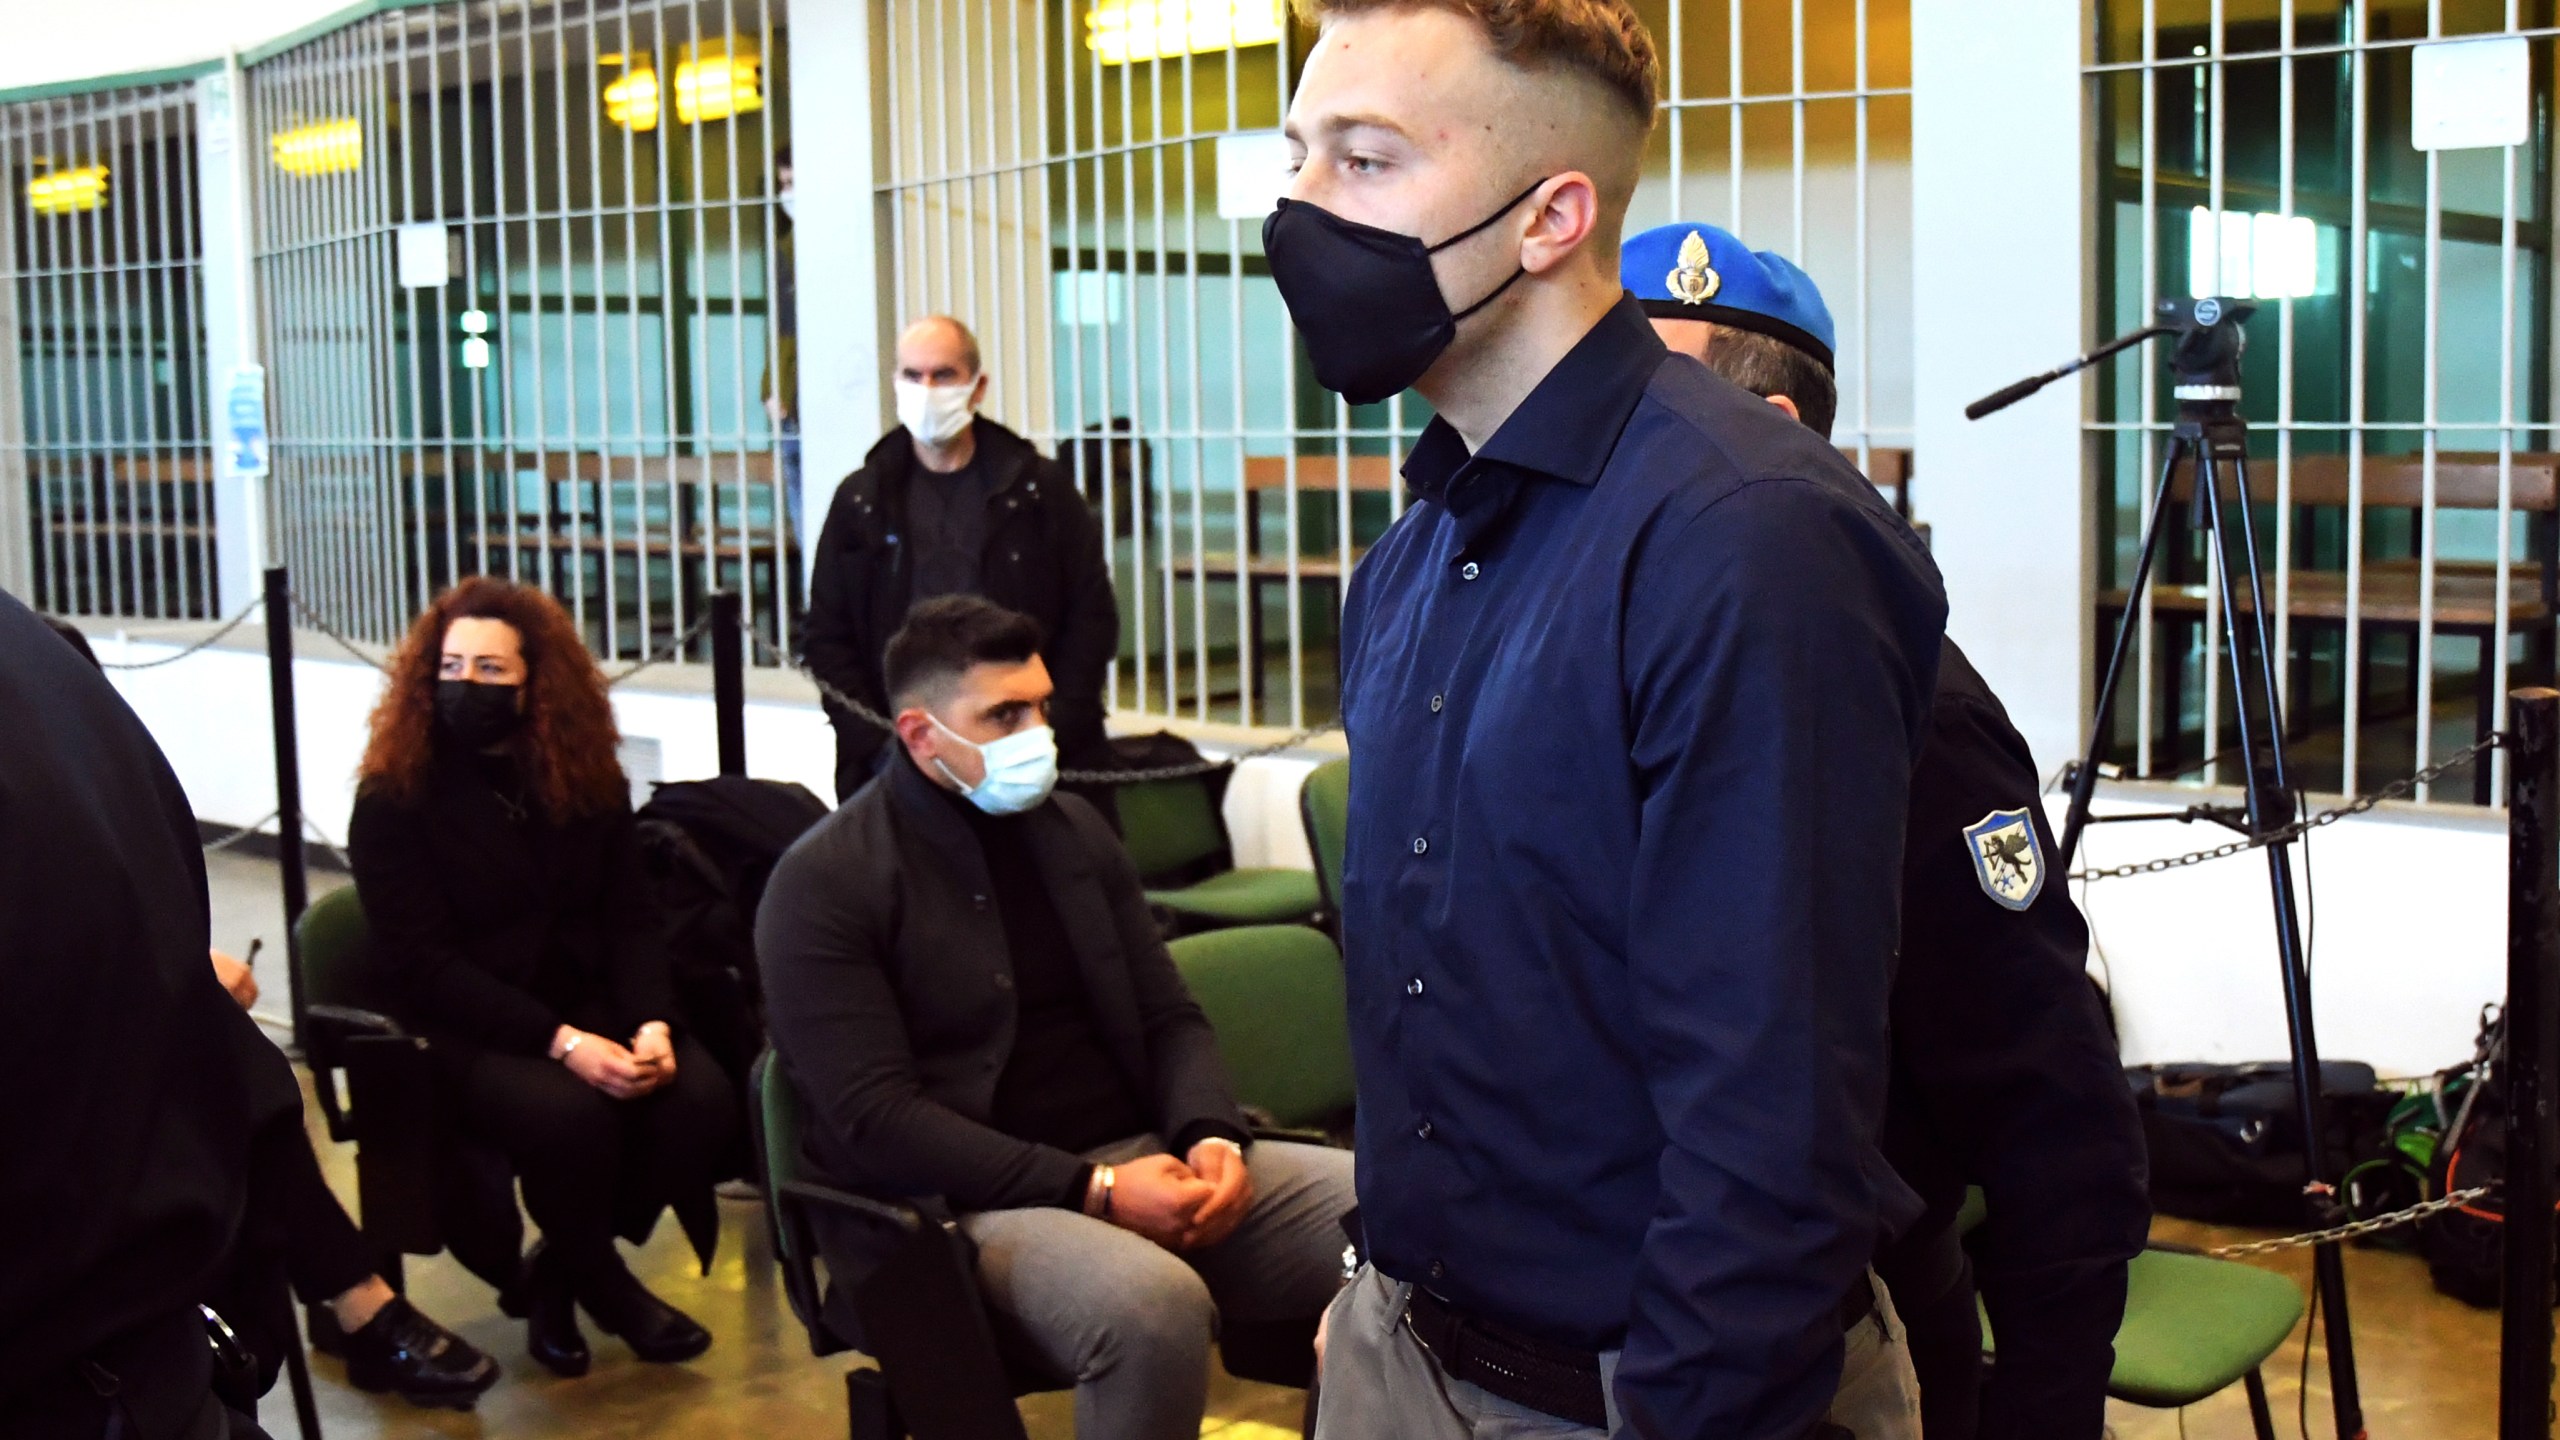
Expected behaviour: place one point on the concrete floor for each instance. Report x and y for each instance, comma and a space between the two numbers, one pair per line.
2428, 1365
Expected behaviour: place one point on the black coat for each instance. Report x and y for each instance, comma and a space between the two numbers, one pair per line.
492, 933
134, 1082
1043, 557
890, 996
2005, 1076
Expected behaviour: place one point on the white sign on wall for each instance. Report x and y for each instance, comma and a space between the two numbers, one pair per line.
2471, 94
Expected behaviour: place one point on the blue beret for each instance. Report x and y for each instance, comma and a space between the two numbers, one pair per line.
1699, 272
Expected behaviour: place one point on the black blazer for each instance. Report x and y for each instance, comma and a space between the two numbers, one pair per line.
491, 932
1043, 558
890, 997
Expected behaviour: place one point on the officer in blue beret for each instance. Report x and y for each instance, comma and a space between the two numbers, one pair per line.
2004, 1073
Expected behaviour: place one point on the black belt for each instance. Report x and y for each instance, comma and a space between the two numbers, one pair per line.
1555, 1379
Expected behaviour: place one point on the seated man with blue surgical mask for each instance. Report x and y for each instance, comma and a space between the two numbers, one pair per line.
964, 981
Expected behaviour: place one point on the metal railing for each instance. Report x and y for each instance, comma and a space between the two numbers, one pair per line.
2400, 378
519, 268
106, 495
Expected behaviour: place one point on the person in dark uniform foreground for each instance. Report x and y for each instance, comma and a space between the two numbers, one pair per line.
132, 1080
1633, 691
2004, 1074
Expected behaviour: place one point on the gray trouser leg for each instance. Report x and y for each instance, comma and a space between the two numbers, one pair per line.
1380, 1384
1132, 1322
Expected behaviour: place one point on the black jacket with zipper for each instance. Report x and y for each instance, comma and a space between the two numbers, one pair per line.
1043, 557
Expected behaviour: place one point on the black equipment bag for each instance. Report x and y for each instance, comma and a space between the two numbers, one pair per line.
2465, 1246
2226, 1141
710, 847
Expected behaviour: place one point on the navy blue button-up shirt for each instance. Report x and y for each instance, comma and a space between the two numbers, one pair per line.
1633, 696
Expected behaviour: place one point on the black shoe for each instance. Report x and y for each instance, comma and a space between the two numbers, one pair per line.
655, 1330
402, 1351
551, 1317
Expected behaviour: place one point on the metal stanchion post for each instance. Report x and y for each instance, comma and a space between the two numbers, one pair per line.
729, 681
2533, 1042
297, 883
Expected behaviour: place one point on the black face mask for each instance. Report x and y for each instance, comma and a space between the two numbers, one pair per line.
1364, 298
477, 716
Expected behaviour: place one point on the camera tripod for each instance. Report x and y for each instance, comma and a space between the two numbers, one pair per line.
2211, 442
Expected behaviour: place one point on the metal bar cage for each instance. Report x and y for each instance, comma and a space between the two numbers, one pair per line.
2399, 376
522, 297
1083, 183
106, 493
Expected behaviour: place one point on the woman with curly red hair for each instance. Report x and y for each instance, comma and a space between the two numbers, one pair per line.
498, 862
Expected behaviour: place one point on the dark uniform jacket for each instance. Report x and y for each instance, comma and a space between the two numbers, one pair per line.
890, 997
2005, 1076
492, 932
134, 1082
1043, 557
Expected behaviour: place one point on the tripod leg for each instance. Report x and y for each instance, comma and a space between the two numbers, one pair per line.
2084, 782
2260, 719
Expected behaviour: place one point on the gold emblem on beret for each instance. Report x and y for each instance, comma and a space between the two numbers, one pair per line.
1694, 281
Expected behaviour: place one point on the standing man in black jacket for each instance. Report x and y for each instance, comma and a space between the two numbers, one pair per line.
2004, 1075
966, 987
951, 503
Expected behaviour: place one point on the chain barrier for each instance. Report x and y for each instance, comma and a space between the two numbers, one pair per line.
2357, 1230
663, 653
212, 847
347, 643
2307, 824
766, 650
207, 643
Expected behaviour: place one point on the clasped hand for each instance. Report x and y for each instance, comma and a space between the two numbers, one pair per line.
625, 1072
1184, 1206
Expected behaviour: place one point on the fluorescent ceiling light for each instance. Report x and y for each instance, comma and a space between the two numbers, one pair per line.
324, 147
64, 192
1122, 32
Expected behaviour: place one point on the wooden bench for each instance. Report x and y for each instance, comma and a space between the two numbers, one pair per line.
2392, 597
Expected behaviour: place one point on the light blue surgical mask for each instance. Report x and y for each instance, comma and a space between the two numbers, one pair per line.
1022, 768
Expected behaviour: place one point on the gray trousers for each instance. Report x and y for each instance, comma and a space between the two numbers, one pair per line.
1133, 1322
1381, 1384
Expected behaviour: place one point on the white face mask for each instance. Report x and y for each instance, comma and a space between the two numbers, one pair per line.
935, 413
789, 202
1022, 768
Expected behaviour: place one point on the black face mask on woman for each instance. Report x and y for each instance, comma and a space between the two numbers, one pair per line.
1365, 299
477, 716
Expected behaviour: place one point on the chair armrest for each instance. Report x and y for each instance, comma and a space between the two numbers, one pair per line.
347, 1017
905, 1219
1302, 1135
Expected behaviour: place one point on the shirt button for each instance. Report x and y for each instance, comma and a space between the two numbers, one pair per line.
1438, 1270
1470, 570
1436, 702
1422, 1131
1421, 846
1413, 986
1003, 981
978, 902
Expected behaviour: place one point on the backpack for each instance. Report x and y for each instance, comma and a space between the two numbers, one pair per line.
710, 847
2226, 1142
2464, 1246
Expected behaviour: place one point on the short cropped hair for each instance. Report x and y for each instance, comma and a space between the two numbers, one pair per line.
943, 637
1766, 365
1602, 39
968, 338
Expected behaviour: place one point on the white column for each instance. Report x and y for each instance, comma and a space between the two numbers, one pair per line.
2000, 256
230, 327
17, 521
837, 245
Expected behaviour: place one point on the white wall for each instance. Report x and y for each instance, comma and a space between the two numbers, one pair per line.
54, 42
209, 713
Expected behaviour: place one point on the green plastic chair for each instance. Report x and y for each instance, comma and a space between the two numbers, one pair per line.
1325, 806
1174, 835
2193, 1325
1274, 994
